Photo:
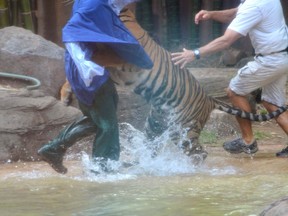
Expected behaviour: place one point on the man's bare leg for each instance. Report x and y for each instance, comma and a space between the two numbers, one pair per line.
245, 125
246, 143
282, 119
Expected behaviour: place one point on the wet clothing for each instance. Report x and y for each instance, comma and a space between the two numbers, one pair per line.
102, 119
84, 93
264, 21
99, 119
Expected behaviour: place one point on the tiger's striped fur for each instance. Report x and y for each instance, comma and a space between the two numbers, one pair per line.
174, 94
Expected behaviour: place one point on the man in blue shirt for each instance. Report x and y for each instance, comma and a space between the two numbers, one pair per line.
94, 22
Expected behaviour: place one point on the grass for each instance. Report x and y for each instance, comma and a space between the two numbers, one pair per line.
261, 135
210, 137
207, 137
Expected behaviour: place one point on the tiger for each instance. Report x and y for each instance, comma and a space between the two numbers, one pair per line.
174, 94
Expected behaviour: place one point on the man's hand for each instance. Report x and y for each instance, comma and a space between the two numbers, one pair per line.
202, 15
223, 16
183, 58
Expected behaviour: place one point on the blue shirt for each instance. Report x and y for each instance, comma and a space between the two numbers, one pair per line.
94, 21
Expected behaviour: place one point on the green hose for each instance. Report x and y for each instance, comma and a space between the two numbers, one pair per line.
36, 83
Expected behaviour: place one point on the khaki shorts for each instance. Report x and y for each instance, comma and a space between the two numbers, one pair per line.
266, 72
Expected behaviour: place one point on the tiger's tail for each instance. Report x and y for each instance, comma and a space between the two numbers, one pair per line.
248, 115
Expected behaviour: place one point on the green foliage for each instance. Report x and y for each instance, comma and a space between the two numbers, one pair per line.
207, 137
17, 13
261, 135
26, 15
263, 111
4, 14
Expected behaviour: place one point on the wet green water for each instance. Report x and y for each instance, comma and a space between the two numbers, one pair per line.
223, 185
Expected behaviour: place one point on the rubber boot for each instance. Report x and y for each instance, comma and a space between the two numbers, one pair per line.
53, 154
54, 151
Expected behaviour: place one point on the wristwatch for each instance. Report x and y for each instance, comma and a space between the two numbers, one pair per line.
196, 53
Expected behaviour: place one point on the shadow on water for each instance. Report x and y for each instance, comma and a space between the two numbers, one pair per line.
166, 185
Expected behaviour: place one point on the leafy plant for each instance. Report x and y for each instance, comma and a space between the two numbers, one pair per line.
4, 13
261, 135
207, 137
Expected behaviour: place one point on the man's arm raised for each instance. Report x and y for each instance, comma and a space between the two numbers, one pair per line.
223, 16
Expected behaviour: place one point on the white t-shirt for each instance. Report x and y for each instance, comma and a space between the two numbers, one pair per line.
264, 21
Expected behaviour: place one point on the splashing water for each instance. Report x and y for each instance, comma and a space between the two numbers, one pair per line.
138, 157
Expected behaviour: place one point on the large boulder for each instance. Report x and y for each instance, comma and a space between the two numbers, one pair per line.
132, 108
23, 52
28, 120
231, 57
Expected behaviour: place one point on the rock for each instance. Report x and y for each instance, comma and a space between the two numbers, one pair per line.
222, 124
277, 208
132, 108
244, 61
23, 52
231, 57
28, 120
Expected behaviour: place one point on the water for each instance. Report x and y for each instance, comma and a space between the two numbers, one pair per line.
166, 185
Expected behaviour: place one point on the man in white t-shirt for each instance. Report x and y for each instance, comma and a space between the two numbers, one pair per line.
264, 21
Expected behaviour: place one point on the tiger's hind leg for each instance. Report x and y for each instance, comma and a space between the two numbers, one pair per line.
191, 145
187, 140
66, 93
195, 151
155, 125
158, 122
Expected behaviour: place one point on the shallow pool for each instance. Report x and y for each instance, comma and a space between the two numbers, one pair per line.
223, 185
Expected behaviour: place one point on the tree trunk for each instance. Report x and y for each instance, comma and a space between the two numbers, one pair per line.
26, 15
187, 24
4, 14
206, 27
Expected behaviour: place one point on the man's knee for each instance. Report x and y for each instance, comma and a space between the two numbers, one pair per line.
230, 93
269, 106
